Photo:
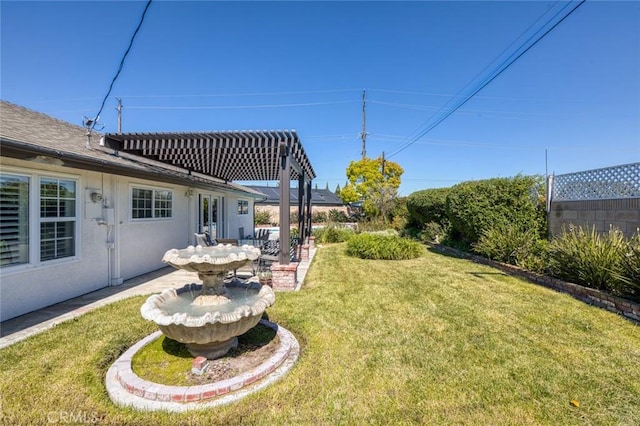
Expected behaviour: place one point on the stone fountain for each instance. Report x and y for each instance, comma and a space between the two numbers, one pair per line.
207, 318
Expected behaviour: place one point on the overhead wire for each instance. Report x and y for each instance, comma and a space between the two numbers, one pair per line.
115, 77
488, 79
215, 95
243, 106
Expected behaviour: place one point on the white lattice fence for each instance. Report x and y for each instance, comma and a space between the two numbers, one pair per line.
609, 183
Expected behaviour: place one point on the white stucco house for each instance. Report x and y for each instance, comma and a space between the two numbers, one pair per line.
79, 213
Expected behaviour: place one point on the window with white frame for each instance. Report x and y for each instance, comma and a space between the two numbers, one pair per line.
57, 218
243, 207
14, 219
149, 203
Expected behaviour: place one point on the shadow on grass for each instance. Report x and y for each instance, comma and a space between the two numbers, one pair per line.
480, 274
258, 336
175, 348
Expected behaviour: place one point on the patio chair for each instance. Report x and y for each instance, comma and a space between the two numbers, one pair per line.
204, 239
270, 252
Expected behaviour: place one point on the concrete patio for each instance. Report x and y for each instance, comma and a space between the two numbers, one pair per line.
19, 328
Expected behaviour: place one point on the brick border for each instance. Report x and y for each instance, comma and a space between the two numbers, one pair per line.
628, 309
125, 388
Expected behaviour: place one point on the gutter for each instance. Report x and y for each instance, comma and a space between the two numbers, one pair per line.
25, 151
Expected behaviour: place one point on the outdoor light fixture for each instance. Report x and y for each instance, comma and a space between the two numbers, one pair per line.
96, 197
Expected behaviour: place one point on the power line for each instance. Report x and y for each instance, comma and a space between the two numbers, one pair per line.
497, 72
215, 95
92, 124
243, 106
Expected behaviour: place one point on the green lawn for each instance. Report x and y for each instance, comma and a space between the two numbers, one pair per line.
434, 340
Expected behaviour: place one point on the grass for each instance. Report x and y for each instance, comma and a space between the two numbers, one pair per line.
167, 361
433, 340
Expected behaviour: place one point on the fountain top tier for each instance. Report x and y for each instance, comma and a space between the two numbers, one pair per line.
215, 259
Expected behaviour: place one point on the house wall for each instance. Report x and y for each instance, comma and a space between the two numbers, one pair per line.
24, 288
107, 253
236, 221
140, 244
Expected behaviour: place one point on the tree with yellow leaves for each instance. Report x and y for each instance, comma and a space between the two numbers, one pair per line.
374, 182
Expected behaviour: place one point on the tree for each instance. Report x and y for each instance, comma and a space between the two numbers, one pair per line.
367, 183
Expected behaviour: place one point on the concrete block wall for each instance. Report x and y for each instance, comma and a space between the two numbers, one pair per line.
274, 211
623, 213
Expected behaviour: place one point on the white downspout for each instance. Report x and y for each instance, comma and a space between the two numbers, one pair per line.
114, 242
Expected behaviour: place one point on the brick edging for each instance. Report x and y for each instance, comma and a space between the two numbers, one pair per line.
627, 308
130, 382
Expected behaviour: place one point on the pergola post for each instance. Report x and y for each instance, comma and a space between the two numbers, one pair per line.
309, 229
285, 210
302, 232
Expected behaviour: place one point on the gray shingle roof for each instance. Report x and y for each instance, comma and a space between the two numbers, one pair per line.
27, 135
319, 197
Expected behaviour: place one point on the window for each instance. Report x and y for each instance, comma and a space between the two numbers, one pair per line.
151, 203
14, 219
243, 207
57, 218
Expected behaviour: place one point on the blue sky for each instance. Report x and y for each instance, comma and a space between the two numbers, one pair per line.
198, 66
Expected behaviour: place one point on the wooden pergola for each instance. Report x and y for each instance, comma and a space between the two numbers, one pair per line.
234, 156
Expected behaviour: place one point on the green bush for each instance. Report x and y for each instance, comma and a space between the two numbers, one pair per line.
338, 216
319, 217
428, 205
514, 244
398, 215
589, 258
432, 232
261, 217
373, 225
476, 207
630, 274
380, 246
631, 262
332, 234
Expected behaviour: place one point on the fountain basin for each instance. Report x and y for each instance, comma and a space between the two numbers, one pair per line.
211, 260
208, 330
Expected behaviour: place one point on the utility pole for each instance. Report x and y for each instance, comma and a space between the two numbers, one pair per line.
119, 115
383, 161
364, 125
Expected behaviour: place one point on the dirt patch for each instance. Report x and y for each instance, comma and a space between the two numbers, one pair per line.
238, 360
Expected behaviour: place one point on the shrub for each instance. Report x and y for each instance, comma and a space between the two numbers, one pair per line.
319, 217
589, 258
398, 216
378, 246
373, 225
514, 244
332, 234
630, 273
432, 232
339, 216
262, 217
475, 207
399, 223
428, 206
